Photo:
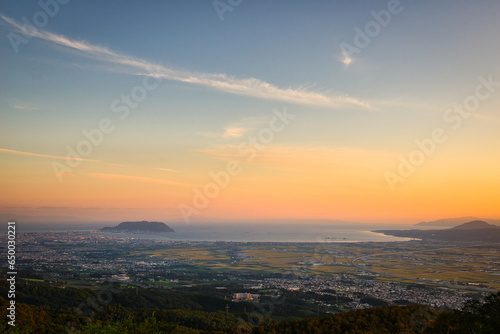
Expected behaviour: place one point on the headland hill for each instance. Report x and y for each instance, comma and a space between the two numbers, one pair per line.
476, 230
139, 227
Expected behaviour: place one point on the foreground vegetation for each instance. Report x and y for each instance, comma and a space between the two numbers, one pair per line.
46, 309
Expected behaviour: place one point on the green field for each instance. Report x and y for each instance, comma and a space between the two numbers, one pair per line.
449, 265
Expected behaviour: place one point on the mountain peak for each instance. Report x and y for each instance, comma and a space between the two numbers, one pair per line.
474, 225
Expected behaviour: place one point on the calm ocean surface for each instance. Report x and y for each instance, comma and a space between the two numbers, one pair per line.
281, 233
255, 233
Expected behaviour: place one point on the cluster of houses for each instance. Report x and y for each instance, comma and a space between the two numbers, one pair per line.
244, 296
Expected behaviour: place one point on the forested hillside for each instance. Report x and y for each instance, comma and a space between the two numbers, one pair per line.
45, 309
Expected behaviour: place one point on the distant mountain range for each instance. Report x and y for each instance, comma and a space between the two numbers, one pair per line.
476, 230
456, 221
141, 227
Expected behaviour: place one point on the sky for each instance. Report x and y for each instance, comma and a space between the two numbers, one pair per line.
366, 111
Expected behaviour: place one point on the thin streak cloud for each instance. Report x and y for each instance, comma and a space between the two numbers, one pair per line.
251, 87
29, 154
237, 129
168, 170
25, 107
139, 179
301, 157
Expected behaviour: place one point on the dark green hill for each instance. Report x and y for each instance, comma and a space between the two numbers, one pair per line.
450, 222
46, 309
474, 225
472, 231
140, 226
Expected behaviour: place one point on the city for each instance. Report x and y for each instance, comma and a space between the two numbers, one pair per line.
326, 270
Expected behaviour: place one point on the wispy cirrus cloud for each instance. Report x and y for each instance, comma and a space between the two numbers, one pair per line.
238, 129
233, 132
25, 107
58, 157
251, 87
139, 179
21, 104
168, 170
302, 157
228, 133
38, 155
339, 168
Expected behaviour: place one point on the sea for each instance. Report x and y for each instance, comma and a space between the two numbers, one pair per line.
251, 232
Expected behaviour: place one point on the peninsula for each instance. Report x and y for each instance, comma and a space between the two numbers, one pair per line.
472, 231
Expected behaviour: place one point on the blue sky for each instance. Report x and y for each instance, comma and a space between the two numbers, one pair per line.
221, 80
